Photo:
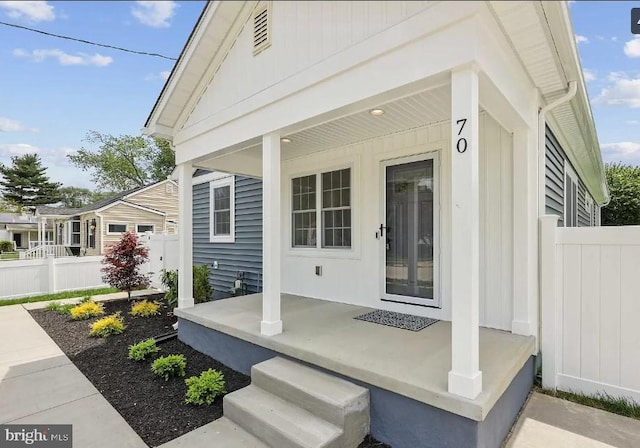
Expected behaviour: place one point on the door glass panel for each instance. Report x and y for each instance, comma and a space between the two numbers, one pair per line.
410, 229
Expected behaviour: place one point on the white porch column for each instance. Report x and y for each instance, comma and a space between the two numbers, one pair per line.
465, 377
271, 322
185, 236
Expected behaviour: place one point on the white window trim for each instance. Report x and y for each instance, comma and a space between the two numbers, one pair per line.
318, 250
116, 223
153, 226
231, 238
574, 177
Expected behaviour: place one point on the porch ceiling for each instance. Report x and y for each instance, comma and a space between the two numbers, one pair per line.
420, 109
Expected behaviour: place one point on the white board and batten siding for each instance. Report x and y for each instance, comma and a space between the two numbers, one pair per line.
321, 29
46, 276
591, 309
353, 277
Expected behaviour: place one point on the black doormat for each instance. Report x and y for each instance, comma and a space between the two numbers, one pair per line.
397, 320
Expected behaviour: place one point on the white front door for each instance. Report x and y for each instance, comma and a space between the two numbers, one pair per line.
409, 230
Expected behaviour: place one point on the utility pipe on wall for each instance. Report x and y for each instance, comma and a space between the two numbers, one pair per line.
542, 124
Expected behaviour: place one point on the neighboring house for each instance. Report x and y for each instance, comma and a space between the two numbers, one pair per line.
407, 151
89, 230
22, 229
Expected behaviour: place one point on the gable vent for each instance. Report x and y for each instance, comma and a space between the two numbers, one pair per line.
261, 28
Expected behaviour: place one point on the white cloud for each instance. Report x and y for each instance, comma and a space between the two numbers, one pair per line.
9, 125
632, 48
64, 58
32, 11
623, 91
155, 14
163, 75
581, 39
621, 151
632, 122
589, 75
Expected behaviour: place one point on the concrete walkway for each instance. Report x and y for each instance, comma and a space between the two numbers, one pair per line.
40, 385
548, 422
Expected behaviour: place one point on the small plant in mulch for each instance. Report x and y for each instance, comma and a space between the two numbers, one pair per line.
169, 366
86, 310
107, 326
205, 388
59, 308
144, 308
140, 351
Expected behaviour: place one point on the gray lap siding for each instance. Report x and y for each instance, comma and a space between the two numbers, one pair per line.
555, 158
245, 254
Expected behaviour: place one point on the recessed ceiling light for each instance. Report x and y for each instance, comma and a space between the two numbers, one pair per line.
376, 112
285, 140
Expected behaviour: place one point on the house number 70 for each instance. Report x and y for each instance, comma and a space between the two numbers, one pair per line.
461, 144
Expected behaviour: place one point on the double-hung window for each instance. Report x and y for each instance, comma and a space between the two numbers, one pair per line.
222, 206
333, 207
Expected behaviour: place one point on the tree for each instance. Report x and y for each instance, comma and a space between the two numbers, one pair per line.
122, 262
125, 162
76, 197
26, 184
624, 188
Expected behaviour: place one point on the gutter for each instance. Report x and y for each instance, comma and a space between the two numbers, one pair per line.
542, 124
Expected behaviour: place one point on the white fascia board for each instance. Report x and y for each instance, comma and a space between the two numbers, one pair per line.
589, 166
129, 204
180, 66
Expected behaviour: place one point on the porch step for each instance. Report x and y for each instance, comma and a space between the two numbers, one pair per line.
278, 422
333, 399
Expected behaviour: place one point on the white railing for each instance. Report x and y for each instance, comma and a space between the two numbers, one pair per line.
50, 250
22, 278
33, 244
590, 291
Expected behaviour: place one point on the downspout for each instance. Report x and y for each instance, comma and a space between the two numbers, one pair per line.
542, 125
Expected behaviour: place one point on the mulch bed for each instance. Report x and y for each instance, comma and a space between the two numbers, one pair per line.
153, 407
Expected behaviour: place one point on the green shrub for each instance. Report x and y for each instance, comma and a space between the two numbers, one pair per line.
61, 309
6, 246
105, 327
201, 286
139, 351
205, 388
86, 310
169, 366
169, 280
144, 308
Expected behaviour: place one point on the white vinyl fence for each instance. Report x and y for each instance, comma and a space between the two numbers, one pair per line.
163, 254
590, 287
49, 275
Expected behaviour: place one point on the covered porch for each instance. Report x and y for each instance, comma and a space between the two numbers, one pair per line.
406, 372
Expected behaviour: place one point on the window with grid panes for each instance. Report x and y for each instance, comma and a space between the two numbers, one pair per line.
303, 196
336, 209
222, 210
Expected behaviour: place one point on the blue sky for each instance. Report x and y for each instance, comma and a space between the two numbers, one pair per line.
54, 91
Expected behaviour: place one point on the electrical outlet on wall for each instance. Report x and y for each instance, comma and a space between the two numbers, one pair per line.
215, 264
319, 271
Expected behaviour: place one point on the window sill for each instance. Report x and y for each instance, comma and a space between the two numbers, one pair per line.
314, 252
222, 239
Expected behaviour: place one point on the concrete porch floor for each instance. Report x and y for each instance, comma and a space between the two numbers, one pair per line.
412, 364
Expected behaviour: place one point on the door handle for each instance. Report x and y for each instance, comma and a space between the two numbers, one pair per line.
383, 228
